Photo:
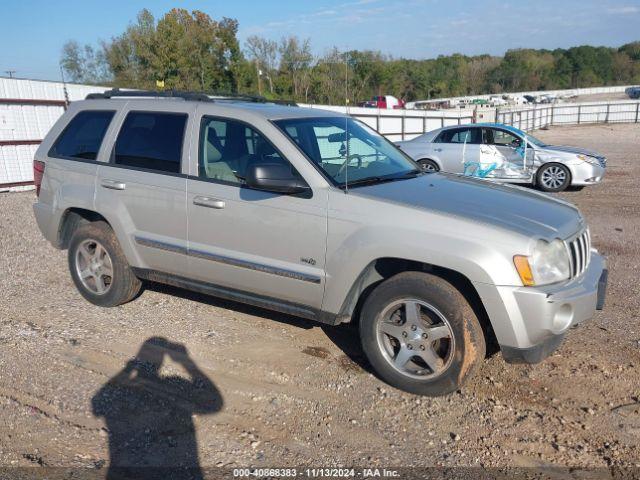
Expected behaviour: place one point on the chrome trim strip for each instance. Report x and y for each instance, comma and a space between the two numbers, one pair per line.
579, 250
170, 247
255, 266
572, 266
305, 277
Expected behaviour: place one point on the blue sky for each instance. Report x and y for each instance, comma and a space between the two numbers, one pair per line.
32, 32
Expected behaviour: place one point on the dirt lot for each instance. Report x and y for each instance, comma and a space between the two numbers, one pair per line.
273, 390
599, 97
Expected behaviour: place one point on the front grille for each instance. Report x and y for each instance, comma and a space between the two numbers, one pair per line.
579, 249
602, 161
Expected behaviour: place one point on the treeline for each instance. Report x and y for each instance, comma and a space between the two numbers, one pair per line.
191, 51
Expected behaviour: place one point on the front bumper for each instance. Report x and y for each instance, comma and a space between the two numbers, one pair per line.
530, 322
585, 173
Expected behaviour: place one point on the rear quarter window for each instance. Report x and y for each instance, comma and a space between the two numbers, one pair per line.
83, 136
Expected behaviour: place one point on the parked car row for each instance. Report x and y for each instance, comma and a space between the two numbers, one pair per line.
497, 152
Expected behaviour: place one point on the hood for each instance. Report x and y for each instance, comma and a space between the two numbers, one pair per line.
573, 150
524, 211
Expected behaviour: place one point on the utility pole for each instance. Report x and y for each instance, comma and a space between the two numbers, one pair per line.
10, 73
64, 88
259, 72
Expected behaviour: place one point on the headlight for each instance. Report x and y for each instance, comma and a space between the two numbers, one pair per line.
588, 159
549, 263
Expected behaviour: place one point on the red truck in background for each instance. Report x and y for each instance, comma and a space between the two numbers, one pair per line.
384, 102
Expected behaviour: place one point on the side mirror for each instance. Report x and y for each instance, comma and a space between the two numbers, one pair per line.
274, 177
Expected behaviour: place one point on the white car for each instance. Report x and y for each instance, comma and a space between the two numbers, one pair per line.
493, 151
497, 101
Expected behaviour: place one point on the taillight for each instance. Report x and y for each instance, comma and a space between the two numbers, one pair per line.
38, 172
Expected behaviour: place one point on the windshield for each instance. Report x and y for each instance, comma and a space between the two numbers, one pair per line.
530, 138
535, 141
348, 151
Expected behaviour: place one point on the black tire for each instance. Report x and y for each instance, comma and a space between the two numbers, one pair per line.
466, 351
545, 171
428, 165
121, 286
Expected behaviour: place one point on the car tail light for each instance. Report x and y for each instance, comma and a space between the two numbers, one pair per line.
38, 172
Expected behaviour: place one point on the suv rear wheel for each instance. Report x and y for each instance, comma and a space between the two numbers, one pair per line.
420, 334
99, 268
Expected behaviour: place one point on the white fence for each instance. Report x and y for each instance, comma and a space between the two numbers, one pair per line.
404, 124
29, 108
531, 118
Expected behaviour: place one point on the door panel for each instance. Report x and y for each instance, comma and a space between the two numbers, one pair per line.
259, 242
142, 190
504, 151
457, 147
150, 210
450, 154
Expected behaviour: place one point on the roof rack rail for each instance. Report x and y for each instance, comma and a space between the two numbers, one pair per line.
288, 103
252, 98
116, 92
193, 96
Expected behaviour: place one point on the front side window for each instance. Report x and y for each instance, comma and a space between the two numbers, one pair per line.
346, 150
151, 140
502, 138
83, 136
228, 147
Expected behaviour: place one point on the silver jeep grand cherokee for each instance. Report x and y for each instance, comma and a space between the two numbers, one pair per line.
313, 214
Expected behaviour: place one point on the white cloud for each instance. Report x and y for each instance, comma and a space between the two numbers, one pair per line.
623, 10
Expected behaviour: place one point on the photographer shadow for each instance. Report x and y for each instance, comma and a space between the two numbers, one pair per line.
149, 417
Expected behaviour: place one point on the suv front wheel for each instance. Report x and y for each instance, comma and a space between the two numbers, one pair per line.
99, 268
420, 334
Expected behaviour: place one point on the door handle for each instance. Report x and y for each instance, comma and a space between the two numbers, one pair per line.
208, 202
437, 149
113, 184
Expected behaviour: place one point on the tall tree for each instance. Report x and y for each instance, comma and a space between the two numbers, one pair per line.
84, 64
190, 50
264, 53
295, 62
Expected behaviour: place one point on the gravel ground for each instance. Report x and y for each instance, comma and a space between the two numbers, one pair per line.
273, 390
599, 97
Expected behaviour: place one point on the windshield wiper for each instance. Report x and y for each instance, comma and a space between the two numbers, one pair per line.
383, 179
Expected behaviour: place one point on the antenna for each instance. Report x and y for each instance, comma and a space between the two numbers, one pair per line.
346, 120
524, 157
10, 73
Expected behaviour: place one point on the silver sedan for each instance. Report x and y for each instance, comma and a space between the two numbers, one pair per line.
499, 152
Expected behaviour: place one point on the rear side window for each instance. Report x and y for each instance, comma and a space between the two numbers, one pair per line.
83, 136
151, 140
463, 135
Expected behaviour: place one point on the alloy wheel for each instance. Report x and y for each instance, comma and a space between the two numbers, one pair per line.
94, 267
415, 338
428, 167
553, 177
